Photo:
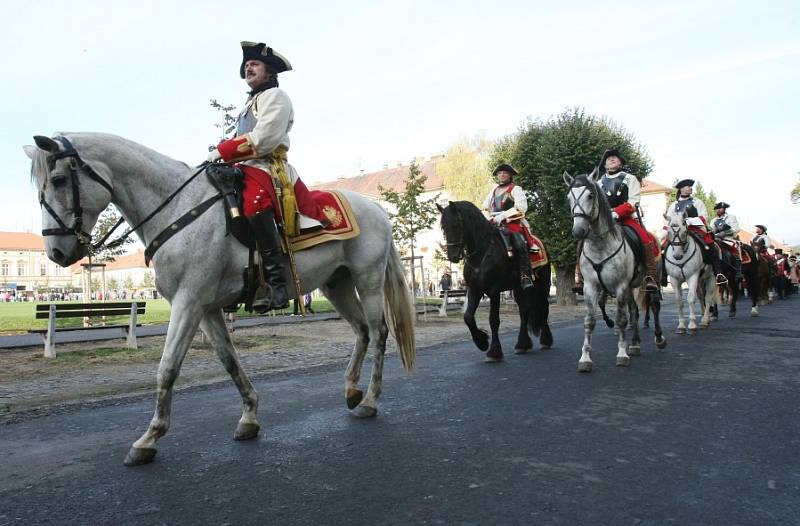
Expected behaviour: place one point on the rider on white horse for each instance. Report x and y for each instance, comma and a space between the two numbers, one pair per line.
261, 142
506, 205
697, 215
726, 230
623, 192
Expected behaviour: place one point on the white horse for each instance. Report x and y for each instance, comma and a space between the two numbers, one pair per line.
199, 270
609, 268
683, 261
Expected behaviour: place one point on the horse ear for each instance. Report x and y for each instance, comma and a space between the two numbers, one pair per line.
666, 216
568, 179
46, 143
439, 207
595, 175
30, 150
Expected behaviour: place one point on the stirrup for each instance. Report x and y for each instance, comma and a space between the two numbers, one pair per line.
526, 282
650, 284
721, 279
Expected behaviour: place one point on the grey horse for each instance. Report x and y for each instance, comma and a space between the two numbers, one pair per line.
683, 261
199, 270
609, 269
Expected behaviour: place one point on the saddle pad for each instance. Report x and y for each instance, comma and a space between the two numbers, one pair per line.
538, 258
634, 242
342, 222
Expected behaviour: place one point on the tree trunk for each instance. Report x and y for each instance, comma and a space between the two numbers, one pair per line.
565, 280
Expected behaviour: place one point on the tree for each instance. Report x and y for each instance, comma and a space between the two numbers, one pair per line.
127, 283
411, 215
105, 223
795, 194
465, 169
227, 121
147, 281
541, 152
113, 284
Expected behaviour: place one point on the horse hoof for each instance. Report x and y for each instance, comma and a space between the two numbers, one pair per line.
364, 411
693, 332
732, 314
584, 367
353, 397
680, 330
138, 456
634, 350
545, 347
519, 350
645, 325
623, 361
754, 312
246, 431
493, 359
661, 342
714, 318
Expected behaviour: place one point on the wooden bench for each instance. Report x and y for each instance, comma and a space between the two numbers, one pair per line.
452, 293
54, 311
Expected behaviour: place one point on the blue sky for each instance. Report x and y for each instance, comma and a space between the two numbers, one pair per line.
710, 88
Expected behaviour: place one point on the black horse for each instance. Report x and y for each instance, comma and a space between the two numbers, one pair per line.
489, 270
750, 274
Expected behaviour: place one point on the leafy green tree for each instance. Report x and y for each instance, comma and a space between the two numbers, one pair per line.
113, 284
410, 215
127, 283
148, 282
795, 194
105, 223
465, 169
541, 151
226, 123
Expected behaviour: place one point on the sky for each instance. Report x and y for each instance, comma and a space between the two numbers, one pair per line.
709, 88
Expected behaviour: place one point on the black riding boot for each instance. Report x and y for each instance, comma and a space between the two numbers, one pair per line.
523, 261
737, 265
271, 294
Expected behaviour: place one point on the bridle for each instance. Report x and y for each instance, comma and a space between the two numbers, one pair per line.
461, 249
75, 163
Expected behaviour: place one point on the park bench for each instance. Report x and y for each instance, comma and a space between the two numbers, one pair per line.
446, 294
54, 311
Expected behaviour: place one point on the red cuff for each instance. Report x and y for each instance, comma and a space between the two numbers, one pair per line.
624, 210
237, 149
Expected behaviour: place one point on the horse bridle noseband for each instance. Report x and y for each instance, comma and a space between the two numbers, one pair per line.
75, 163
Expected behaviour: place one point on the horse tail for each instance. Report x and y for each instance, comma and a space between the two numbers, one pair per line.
398, 307
537, 298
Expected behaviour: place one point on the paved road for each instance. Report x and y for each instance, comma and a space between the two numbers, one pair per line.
703, 433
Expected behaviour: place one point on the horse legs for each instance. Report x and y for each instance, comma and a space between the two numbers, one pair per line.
344, 300
624, 298
183, 323
524, 343
733, 294
691, 297
495, 353
479, 336
590, 303
372, 301
213, 326
658, 334
677, 286
635, 348
706, 291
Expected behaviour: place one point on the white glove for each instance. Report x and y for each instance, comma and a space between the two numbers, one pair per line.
214, 156
615, 216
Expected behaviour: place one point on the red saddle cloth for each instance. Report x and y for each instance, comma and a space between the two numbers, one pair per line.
535, 246
647, 239
340, 222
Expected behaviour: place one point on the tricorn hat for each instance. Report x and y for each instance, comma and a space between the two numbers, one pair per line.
276, 62
504, 168
779, 251
684, 182
762, 227
721, 204
613, 152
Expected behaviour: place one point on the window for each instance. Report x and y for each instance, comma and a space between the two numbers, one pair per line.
42, 269
4, 268
20, 268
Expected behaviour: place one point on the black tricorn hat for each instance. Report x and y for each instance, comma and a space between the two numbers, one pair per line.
504, 168
779, 251
613, 152
684, 182
276, 62
721, 204
762, 227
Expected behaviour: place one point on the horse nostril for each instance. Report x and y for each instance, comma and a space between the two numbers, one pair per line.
58, 256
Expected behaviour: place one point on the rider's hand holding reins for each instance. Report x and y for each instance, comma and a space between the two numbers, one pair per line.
214, 156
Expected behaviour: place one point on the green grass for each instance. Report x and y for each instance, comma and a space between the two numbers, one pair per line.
16, 318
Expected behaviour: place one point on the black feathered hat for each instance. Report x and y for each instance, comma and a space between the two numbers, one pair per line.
684, 182
762, 227
276, 62
613, 152
778, 251
505, 168
721, 204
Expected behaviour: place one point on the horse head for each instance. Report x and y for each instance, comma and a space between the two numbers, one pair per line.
72, 196
453, 229
677, 234
584, 202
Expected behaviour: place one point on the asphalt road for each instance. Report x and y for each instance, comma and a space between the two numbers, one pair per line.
702, 433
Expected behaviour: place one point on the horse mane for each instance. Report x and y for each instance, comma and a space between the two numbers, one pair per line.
473, 220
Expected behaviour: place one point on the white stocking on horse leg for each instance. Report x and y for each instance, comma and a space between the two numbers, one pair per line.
378, 332
623, 360
213, 326
590, 302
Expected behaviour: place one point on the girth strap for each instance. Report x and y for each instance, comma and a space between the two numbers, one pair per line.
177, 226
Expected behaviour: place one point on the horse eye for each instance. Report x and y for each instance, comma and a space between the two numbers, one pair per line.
58, 180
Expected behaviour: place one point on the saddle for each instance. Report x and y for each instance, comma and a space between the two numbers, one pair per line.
635, 244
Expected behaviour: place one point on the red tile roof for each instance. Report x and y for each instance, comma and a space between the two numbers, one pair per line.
135, 260
652, 187
390, 178
21, 241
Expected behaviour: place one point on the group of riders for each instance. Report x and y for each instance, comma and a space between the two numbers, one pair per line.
259, 151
